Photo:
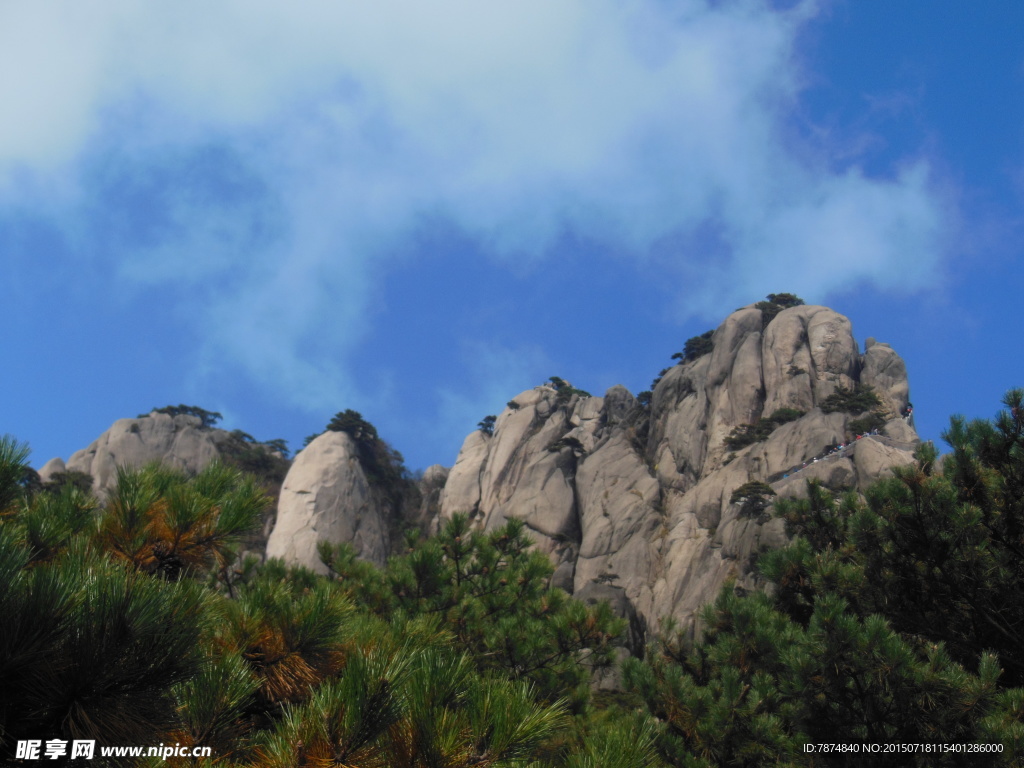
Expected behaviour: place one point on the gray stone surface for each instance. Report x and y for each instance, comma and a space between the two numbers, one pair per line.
175, 441
326, 497
638, 500
50, 468
431, 486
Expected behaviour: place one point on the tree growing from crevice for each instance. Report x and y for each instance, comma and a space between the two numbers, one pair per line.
207, 418
696, 347
754, 498
565, 390
860, 399
748, 434
774, 304
383, 466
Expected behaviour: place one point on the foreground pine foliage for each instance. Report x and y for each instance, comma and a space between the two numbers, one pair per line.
136, 623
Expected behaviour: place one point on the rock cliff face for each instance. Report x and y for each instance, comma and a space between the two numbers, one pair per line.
176, 441
636, 497
327, 497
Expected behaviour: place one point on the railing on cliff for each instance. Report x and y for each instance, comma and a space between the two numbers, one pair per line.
844, 450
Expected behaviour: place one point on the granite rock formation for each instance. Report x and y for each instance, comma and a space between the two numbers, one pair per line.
636, 497
179, 441
326, 496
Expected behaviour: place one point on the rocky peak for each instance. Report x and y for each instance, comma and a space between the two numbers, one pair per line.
348, 486
326, 496
803, 356
632, 498
637, 497
180, 441
184, 441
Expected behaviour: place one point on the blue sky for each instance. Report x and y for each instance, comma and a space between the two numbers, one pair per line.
419, 210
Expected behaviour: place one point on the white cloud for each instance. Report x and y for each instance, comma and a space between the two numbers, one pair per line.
626, 122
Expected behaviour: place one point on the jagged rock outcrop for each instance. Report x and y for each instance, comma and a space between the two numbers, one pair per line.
181, 442
326, 496
522, 470
637, 497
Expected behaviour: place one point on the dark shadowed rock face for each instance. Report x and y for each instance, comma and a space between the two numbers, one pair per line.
639, 498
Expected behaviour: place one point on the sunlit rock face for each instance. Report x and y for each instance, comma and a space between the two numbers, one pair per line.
327, 497
637, 498
180, 442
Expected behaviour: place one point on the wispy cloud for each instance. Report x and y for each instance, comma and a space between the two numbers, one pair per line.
264, 161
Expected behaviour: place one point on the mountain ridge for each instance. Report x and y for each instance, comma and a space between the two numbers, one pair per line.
632, 496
